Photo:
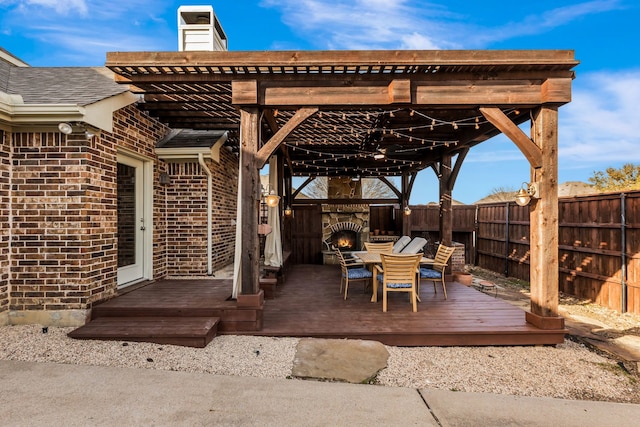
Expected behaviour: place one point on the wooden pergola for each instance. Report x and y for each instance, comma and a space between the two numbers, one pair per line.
370, 113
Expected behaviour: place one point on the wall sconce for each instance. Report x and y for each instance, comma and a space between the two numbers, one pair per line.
407, 211
528, 191
272, 199
164, 178
288, 211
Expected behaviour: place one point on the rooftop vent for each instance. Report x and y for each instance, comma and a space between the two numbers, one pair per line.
199, 29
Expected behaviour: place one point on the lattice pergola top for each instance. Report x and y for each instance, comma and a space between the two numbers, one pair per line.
371, 113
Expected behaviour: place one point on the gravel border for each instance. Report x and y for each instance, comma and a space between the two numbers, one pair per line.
569, 370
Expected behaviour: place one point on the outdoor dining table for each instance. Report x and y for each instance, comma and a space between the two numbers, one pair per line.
371, 259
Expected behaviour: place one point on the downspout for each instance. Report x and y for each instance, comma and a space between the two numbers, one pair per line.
209, 213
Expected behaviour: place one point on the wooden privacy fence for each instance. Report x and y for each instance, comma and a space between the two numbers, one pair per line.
598, 246
425, 221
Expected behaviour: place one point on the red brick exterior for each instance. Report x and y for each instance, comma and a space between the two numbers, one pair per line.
58, 222
5, 217
187, 215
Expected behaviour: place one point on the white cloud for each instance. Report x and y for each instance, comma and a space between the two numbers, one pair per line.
602, 121
543, 22
403, 24
62, 7
363, 24
81, 31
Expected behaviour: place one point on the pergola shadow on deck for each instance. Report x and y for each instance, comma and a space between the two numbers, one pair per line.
309, 304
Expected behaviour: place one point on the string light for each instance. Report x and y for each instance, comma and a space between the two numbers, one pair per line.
353, 131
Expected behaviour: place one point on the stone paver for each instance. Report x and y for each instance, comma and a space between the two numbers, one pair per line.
353, 361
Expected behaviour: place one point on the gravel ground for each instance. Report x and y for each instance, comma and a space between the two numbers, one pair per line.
569, 370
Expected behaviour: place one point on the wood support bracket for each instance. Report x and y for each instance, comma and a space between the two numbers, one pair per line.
530, 150
456, 168
267, 149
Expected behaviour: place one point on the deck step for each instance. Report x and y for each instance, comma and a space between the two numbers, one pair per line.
185, 331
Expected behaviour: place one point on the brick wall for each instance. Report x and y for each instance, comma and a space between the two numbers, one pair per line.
64, 242
62, 226
186, 197
5, 164
457, 258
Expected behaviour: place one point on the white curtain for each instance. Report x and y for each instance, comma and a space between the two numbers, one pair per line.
237, 270
273, 242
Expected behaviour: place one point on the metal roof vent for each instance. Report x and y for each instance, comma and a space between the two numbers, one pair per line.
199, 29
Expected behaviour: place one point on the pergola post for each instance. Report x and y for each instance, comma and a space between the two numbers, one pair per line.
250, 190
404, 202
544, 222
446, 212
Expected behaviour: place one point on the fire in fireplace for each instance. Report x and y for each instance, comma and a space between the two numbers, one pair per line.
345, 240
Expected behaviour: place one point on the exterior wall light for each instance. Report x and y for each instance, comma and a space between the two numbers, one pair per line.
288, 211
65, 128
272, 199
528, 191
407, 211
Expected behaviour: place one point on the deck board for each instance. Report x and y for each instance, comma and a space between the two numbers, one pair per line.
309, 304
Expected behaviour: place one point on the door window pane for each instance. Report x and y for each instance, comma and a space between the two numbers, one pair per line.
126, 215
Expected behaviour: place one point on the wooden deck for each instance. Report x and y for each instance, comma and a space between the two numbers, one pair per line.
309, 305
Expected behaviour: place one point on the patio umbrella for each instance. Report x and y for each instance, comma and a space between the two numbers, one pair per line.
237, 270
273, 243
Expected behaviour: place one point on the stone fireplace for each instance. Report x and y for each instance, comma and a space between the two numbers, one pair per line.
345, 226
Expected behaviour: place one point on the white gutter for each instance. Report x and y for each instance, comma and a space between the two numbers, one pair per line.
209, 214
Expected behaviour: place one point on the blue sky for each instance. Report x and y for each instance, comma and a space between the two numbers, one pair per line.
598, 129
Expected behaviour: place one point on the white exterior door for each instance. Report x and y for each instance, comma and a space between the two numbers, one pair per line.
132, 223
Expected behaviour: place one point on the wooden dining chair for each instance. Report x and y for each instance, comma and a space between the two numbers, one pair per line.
380, 248
398, 274
436, 271
353, 270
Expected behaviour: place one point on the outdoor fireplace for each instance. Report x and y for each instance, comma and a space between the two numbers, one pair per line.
345, 236
345, 240
344, 226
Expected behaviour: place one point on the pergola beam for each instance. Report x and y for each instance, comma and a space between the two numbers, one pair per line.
337, 59
454, 92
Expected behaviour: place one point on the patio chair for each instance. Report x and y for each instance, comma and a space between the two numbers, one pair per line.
400, 244
436, 272
414, 246
382, 247
398, 274
352, 271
